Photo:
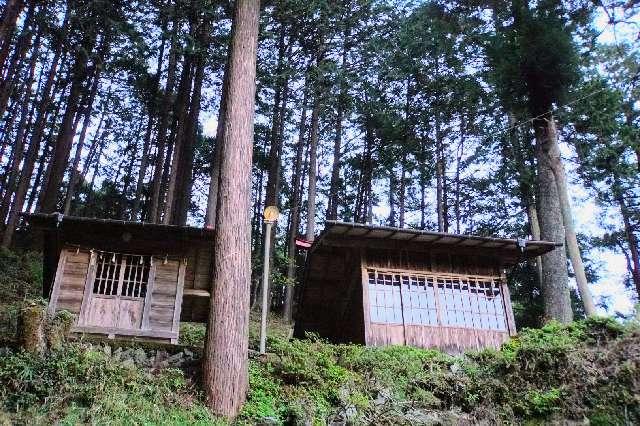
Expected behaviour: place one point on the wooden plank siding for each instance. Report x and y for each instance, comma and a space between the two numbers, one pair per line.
331, 284
453, 339
71, 276
197, 285
335, 297
163, 298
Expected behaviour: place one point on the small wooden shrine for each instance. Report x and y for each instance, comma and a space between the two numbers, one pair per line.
389, 286
125, 278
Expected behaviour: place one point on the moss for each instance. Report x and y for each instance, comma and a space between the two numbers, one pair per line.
58, 329
33, 322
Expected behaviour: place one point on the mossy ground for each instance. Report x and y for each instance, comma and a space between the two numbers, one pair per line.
585, 370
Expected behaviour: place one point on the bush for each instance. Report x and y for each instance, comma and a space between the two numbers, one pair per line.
79, 384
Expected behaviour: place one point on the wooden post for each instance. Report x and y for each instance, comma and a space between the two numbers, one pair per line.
53, 299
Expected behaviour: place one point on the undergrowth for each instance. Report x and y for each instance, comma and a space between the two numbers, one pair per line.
20, 278
584, 370
79, 384
588, 369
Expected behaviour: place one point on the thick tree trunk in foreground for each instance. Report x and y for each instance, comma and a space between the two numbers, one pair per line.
552, 151
212, 199
555, 291
225, 360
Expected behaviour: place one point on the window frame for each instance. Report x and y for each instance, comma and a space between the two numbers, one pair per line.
477, 302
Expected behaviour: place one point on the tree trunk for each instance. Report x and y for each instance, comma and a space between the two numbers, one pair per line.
457, 181
184, 88
313, 168
552, 151
163, 124
440, 177
34, 144
272, 194
62, 147
516, 154
23, 43
402, 194
332, 209
632, 241
142, 170
20, 135
8, 20
212, 199
555, 291
183, 200
146, 147
225, 360
75, 173
296, 180
391, 220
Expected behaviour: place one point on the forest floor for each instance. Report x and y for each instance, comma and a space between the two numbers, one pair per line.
587, 372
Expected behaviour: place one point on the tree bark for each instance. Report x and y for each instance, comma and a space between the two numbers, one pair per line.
20, 135
163, 124
146, 147
391, 220
332, 209
183, 199
75, 173
225, 360
8, 20
34, 143
23, 43
440, 177
62, 147
552, 151
555, 291
313, 168
212, 199
184, 88
296, 180
632, 241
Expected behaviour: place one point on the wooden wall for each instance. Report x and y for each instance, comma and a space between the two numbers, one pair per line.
163, 295
195, 305
330, 302
73, 266
445, 338
437, 260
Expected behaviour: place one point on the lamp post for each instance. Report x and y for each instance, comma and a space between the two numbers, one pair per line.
271, 214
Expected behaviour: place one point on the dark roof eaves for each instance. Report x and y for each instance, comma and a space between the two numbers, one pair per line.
329, 223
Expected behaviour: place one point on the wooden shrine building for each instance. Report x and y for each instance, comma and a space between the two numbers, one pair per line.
389, 286
125, 278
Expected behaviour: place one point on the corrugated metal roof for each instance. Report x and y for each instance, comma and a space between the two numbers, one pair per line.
336, 230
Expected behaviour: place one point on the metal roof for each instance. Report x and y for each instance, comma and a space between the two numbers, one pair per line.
335, 231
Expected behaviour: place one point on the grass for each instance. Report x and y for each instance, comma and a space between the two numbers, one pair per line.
585, 370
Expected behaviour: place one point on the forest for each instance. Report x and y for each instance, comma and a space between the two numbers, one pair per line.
469, 117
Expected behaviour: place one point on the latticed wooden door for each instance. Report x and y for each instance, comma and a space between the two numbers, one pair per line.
116, 290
